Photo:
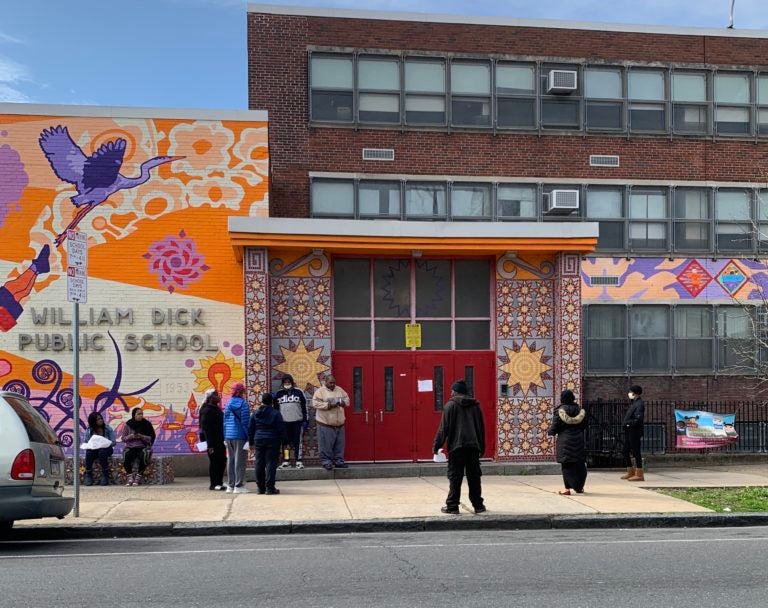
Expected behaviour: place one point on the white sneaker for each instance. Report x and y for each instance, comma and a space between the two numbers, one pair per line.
229, 489
299, 465
241, 490
285, 465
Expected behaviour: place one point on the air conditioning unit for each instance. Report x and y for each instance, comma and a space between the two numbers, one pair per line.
561, 202
562, 81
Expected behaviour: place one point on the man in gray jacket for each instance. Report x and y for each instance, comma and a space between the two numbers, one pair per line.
462, 427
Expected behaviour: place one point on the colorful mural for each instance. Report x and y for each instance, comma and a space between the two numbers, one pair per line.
164, 319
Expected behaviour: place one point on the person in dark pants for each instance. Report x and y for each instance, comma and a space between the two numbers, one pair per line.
463, 429
138, 435
633, 432
568, 424
212, 432
266, 433
96, 426
292, 405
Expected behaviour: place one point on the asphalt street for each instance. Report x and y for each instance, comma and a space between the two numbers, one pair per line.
578, 568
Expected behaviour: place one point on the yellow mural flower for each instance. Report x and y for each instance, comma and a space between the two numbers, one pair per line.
303, 365
219, 372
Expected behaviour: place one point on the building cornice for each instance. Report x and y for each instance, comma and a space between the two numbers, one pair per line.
34, 109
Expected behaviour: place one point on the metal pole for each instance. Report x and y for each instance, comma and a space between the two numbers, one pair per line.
76, 404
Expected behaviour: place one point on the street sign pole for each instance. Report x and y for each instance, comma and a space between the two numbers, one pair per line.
77, 292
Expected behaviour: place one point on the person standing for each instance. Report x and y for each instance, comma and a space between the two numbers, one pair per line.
212, 432
236, 415
138, 436
633, 433
292, 405
462, 427
329, 402
266, 433
96, 426
569, 423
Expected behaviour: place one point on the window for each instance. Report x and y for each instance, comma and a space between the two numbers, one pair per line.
733, 214
471, 94
332, 198
37, 428
762, 104
762, 221
425, 200
516, 202
732, 99
332, 83
606, 338
560, 110
735, 339
379, 199
471, 201
605, 205
425, 92
647, 108
378, 81
694, 338
690, 112
648, 220
605, 105
692, 219
515, 96
649, 331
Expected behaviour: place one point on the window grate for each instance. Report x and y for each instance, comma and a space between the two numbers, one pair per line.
604, 280
603, 160
387, 154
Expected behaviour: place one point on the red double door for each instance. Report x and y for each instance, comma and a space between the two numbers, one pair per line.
397, 398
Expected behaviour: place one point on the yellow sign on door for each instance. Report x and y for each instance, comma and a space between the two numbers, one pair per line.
413, 335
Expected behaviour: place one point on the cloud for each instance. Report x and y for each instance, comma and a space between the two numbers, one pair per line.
11, 75
9, 39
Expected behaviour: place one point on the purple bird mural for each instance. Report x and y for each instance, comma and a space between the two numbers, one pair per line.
96, 177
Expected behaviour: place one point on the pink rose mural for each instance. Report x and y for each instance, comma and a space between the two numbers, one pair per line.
176, 261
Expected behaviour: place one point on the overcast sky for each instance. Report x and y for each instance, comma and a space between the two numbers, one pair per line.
191, 53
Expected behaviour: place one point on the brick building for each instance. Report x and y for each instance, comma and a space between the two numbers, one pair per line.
455, 172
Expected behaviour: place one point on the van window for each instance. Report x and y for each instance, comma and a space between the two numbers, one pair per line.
37, 428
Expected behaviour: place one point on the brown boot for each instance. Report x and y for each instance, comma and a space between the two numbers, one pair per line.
630, 472
638, 476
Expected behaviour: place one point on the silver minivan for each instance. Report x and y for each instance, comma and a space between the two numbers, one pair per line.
31, 464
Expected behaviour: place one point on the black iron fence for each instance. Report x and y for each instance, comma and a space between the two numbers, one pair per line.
605, 434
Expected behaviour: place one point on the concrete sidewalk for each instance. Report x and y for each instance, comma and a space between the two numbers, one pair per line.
188, 501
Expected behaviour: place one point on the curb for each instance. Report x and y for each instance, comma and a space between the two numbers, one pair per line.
412, 524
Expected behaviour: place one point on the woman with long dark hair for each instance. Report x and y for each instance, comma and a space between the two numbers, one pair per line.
212, 432
97, 426
569, 423
138, 435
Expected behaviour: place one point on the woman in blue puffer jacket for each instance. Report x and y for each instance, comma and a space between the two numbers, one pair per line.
236, 417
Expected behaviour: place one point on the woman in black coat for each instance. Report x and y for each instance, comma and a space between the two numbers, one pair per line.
633, 433
569, 423
212, 432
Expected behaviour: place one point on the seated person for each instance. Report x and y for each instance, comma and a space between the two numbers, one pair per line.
138, 436
96, 426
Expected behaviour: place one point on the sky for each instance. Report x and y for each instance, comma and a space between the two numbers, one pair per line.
191, 53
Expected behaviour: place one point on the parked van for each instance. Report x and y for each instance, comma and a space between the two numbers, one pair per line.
31, 464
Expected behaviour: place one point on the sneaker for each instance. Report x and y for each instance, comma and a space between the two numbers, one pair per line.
342, 465
328, 467
299, 465
88, 479
219, 488
229, 489
285, 465
261, 491
273, 491
129, 480
479, 510
241, 490
449, 510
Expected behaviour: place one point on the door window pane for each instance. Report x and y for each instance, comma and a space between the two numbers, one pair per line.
389, 335
327, 105
333, 198
435, 335
732, 205
516, 202
689, 87
646, 85
473, 335
392, 288
352, 335
437, 386
425, 200
389, 389
378, 74
603, 84
331, 72
471, 78
473, 288
425, 110
425, 76
731, 88
471, 200
351, 288
516, 112
357, 389
379, 108
433, 288
379, 198
516, 80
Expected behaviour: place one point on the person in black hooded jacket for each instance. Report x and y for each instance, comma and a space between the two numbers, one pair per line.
569, 423
462, 427
212, 432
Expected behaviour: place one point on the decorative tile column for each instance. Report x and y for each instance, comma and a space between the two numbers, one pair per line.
256, 323
568, 344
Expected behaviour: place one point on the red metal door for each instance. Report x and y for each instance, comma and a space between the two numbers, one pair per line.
435, 369
354, 373
477, 368
394, 386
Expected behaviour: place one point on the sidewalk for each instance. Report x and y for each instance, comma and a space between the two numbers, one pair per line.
364, 504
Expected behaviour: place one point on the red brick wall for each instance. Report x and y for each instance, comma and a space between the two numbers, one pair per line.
277, 52
688, 388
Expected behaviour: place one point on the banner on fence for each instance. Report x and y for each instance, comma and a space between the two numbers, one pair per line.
696, 429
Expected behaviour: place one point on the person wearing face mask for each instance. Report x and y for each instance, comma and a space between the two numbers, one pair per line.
633, 432
292, 405
329, 402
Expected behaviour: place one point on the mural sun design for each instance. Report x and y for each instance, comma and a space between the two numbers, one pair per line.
303, 365
526, 368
